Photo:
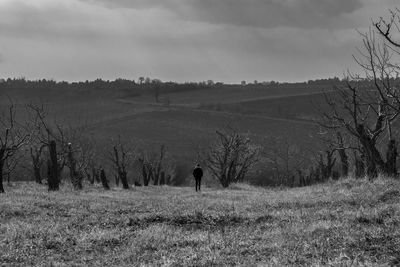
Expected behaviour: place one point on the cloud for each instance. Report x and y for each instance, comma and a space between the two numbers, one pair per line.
275, 13
252, 13
182, 40
53, 20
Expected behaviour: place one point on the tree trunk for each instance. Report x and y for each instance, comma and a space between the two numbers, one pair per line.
89, 176
145, 175
122, 175
150, 175
370, 160
373, 160
124, 180
330, 162
103, 179
359, 166
156, 176
37, 174
344, 160
37, 164
224, 180
8, 178
155, 181
391, 156
1, 172
53, 179
293, 180
76, 177
301, 178
96, 175
162, 178
117, 180
322, 169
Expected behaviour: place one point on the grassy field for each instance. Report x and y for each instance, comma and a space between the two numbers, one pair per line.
229, 94
345, 223
184, 131
299, 107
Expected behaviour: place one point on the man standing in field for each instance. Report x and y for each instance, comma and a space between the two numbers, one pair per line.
197, 174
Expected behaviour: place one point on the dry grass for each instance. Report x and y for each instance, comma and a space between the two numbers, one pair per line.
348, 223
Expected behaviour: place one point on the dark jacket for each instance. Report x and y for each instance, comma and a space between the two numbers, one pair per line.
197, 173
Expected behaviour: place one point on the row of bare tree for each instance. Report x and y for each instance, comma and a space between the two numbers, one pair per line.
47, 143
53, 148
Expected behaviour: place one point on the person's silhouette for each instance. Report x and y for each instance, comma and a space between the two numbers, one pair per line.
197, 174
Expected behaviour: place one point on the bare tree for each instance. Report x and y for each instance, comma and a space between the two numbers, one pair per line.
157, 164
50, 138
121, 156
103, 179
367, 108
325, 166
53, 167
147, 170
341, 149
67, 147
231, 157
284, 157
389, 28
11, 165
37, 143
155, 167
76, 174
37, 162
86, 159
80, 156
336, 141
12, 137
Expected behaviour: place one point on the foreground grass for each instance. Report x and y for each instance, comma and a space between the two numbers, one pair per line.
351, 222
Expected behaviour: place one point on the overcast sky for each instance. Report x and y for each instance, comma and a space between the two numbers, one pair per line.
183, 40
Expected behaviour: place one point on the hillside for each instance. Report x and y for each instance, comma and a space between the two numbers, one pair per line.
185, 130
185, 124
230, 94
346, 223
297, 107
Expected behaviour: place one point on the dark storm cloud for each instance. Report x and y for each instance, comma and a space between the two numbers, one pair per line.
257, 13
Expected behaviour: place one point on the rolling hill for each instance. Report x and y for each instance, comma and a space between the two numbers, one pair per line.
187, 123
